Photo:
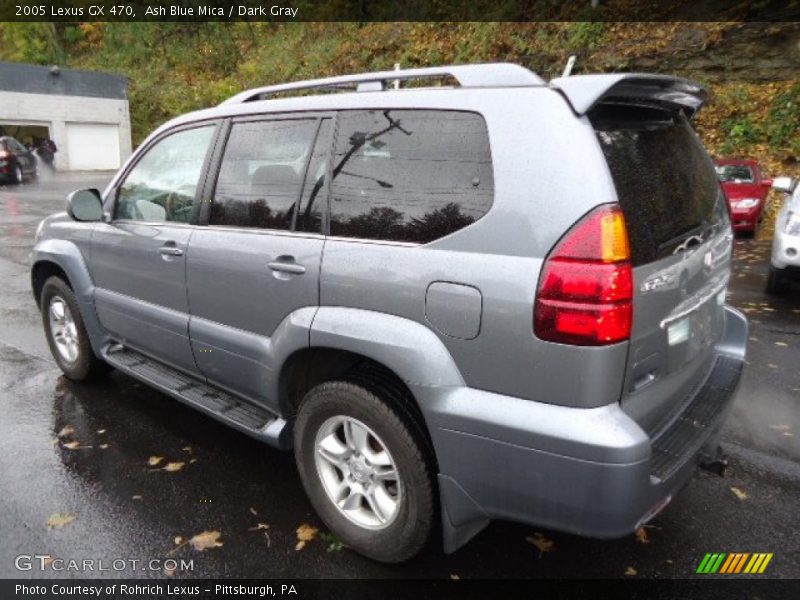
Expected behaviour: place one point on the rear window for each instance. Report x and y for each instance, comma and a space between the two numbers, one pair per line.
665, 181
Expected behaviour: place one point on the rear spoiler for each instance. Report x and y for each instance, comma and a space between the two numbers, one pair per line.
584, 92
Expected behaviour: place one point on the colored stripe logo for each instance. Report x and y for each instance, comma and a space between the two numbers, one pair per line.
734, 562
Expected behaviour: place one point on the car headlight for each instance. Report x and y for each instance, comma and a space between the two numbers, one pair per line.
745, 203
792, 226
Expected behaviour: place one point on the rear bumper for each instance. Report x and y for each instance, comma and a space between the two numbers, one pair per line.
593, 472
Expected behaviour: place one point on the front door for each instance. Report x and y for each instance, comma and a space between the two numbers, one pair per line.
139, 257
258, 258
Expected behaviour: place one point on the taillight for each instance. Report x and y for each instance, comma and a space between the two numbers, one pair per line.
586, 287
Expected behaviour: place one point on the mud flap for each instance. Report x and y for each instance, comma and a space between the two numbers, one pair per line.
462, 517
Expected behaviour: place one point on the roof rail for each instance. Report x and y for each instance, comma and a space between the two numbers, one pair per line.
474, 76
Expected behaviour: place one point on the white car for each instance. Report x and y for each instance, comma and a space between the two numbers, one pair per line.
785, 260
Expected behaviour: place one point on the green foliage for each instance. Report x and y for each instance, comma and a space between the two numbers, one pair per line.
585, 35
334, 542
740, 132
783, 123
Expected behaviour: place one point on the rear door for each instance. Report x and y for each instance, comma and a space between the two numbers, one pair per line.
258, 258
681, 243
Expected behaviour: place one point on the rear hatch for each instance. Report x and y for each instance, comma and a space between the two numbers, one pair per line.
680, 235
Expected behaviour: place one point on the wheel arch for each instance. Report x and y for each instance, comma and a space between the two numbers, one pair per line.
64, 259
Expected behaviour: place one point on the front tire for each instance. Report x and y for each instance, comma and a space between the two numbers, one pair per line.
66, 333
776, 283
18, 176
364, 471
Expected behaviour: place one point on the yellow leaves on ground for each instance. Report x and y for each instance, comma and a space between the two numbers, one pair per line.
741, 495
641, 536
60, 520
173, 466
201, 542
541, 542
305, 534
154, 460
206, 540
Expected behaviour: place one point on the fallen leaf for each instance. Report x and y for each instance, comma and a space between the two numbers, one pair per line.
739, 493
101, 431
192, 461
631, 571
259, 527
103, 446
641, 536
253, 511
154, 460
205, 540
68, 430
454, 577
305, 533
173, 466
72, 445
782, 344
541, 542
178, 540
59, 520
187, 448
137, 497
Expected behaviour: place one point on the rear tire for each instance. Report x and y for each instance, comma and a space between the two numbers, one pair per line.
66, 333
17, 177
776, 283
388, 519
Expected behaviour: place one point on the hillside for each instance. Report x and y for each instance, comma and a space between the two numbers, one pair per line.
753, 70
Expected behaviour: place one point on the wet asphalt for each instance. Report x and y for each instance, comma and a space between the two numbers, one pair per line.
123, 508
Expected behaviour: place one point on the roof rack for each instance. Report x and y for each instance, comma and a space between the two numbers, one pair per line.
472, 76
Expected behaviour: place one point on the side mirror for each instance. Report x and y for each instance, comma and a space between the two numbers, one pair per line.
784, 184
85, 205
767, 183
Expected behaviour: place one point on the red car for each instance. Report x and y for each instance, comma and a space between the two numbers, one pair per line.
745, 189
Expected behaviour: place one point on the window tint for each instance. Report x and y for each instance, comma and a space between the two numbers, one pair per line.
309, 217
262, 172
409, 175
665, 180
162, 185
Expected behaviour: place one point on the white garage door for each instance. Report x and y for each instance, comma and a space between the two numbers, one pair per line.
92, 146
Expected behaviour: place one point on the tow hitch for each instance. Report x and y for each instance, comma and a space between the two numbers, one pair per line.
714, 462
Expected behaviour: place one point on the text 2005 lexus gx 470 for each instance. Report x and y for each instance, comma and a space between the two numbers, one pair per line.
501, 299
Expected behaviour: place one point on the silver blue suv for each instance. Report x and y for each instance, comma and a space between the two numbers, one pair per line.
496, 298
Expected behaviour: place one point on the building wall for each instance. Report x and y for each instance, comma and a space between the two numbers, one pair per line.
56, 111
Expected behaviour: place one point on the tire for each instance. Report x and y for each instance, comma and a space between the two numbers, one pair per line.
74, 355
18, 176
776, 284
405, 529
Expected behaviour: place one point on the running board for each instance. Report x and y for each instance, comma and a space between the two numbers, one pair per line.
240, 414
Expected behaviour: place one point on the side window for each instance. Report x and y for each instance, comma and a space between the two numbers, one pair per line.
409, 175
261, 175
309, 217
162, 185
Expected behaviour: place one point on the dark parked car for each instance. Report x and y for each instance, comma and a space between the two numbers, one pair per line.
746, 189
16, 161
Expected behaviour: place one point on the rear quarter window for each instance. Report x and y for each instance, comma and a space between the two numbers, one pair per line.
409, 175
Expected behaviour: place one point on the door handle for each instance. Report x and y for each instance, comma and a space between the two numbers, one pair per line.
170, 251
286, 264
